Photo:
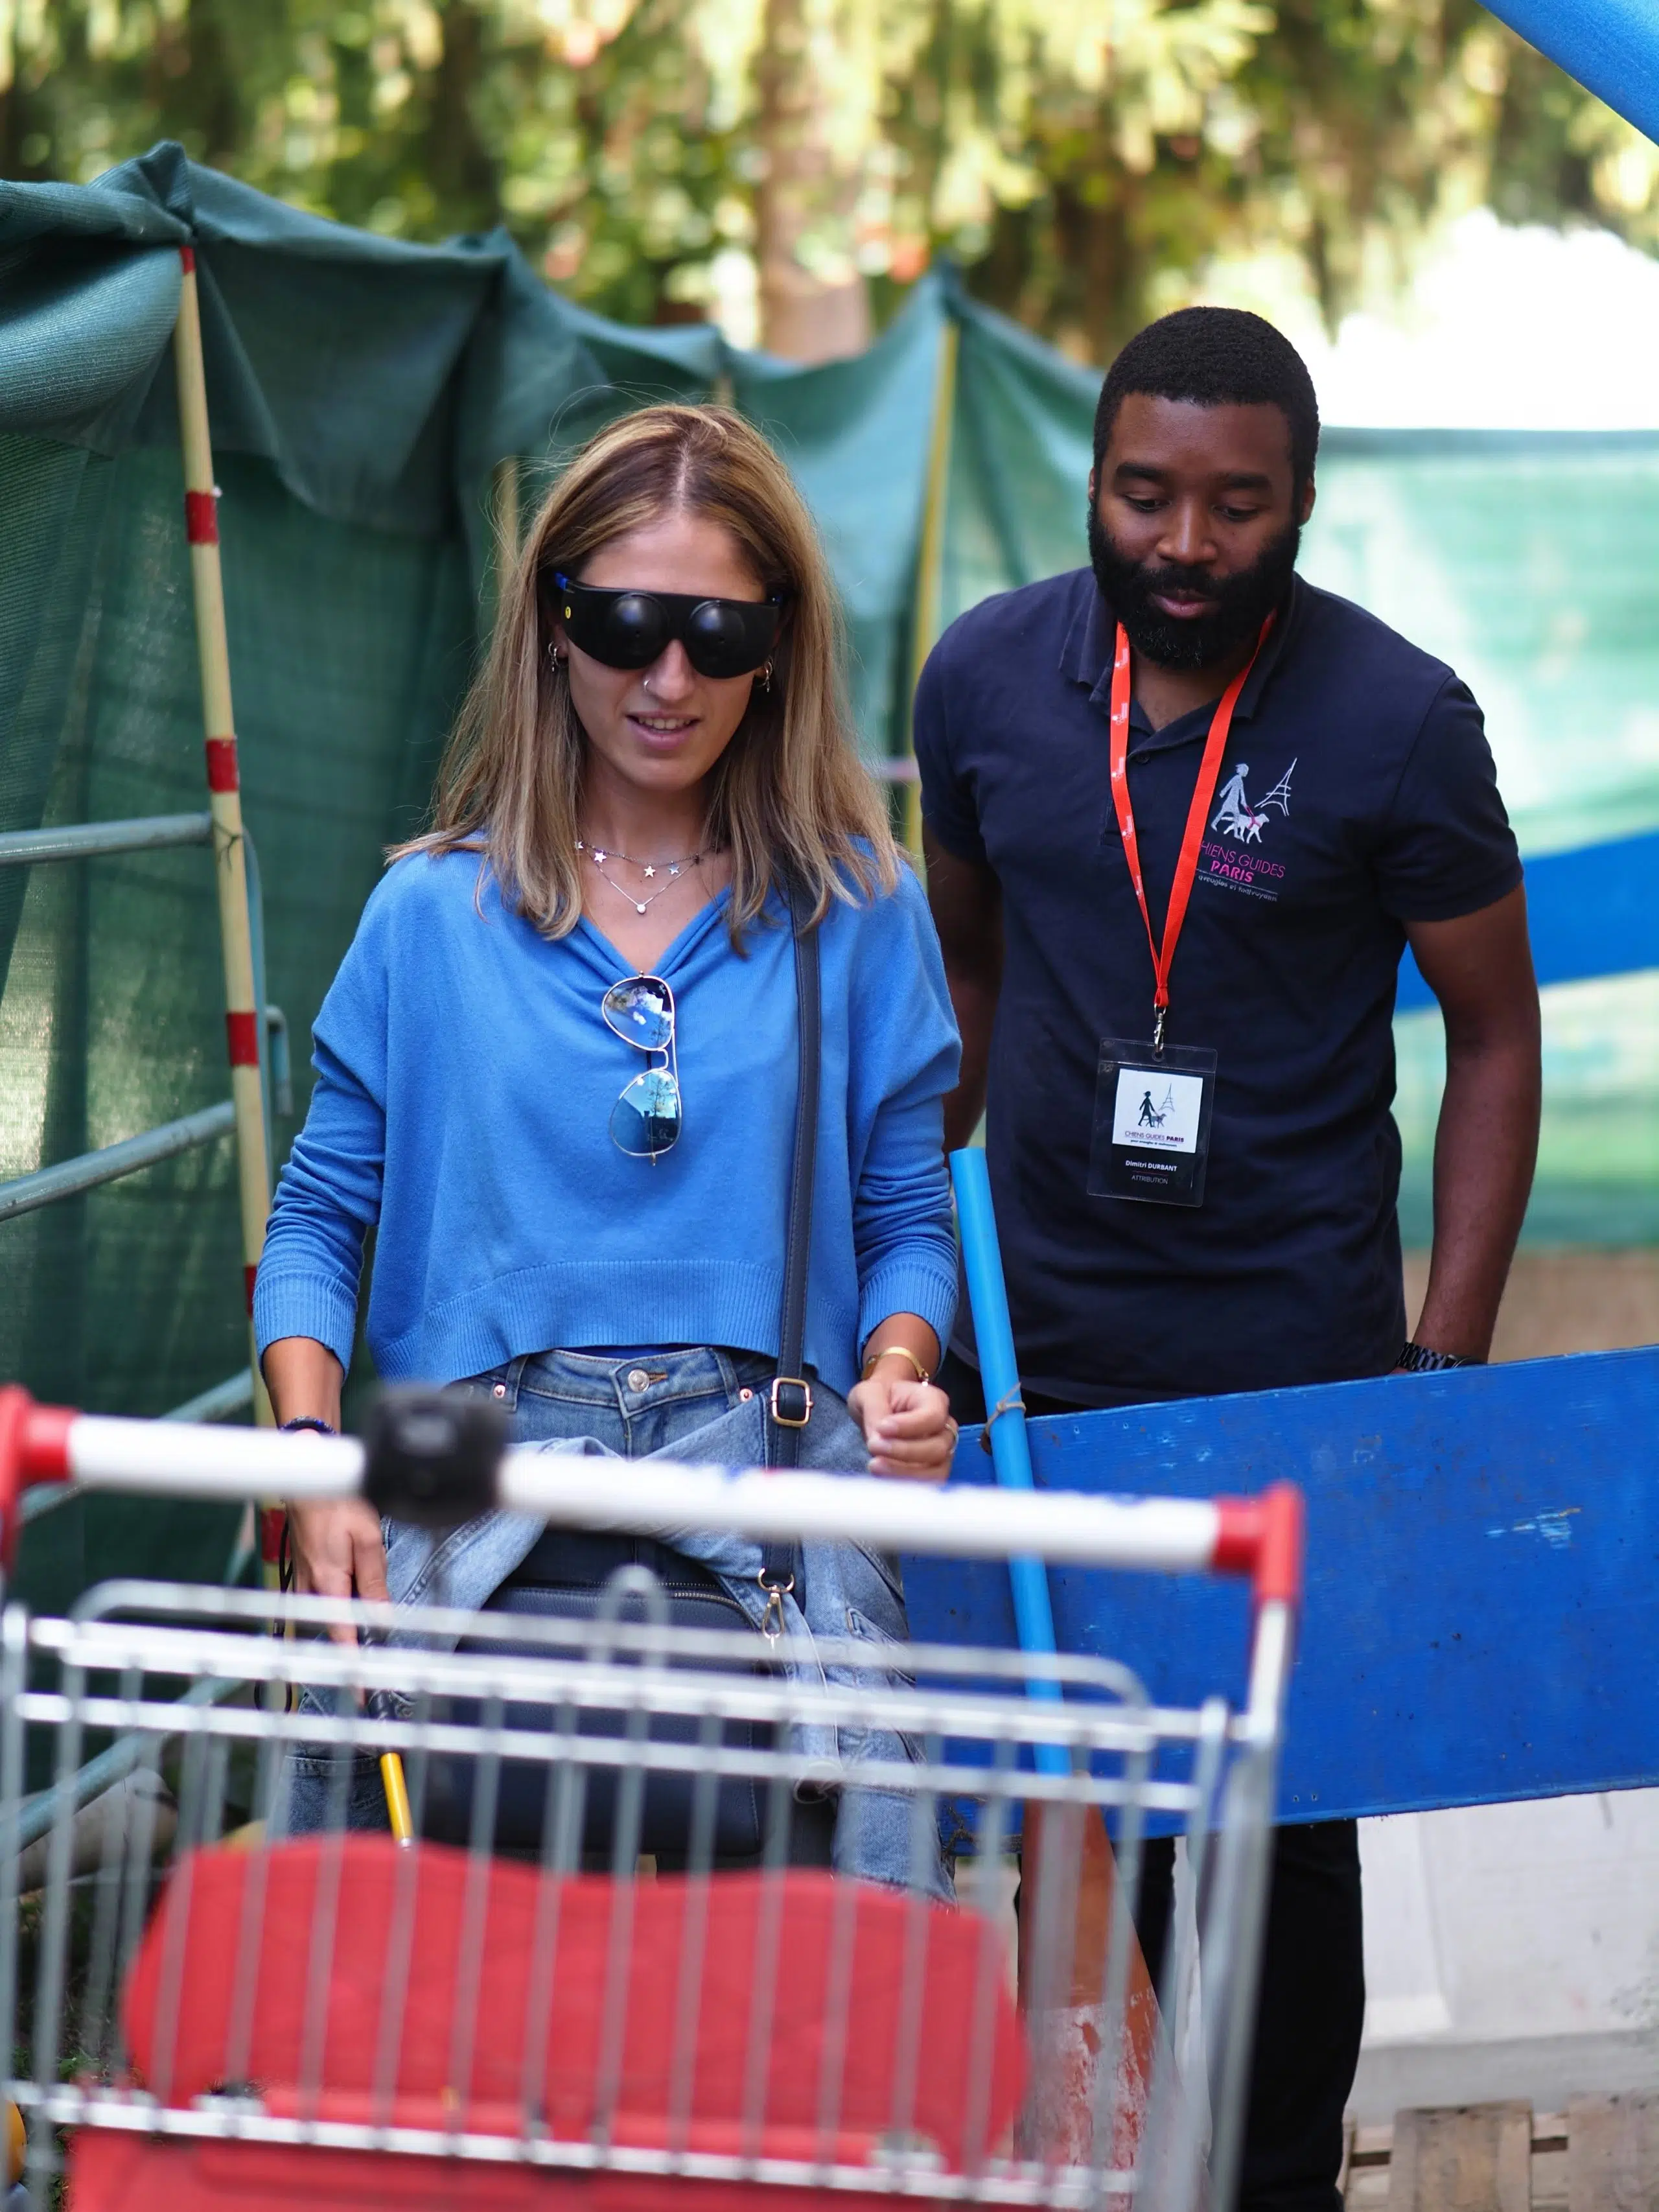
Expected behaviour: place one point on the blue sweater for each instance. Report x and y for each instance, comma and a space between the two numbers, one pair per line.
465, 1085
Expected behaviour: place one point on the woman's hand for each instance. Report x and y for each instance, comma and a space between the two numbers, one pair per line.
337, 1552
336, 1547
907, 1425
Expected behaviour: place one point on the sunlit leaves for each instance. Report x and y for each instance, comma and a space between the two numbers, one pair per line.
1086, 159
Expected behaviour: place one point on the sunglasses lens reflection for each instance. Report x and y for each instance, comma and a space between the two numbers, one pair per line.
646, 1120
640, 1009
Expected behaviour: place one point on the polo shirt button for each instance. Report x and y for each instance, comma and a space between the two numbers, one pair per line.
638, 1379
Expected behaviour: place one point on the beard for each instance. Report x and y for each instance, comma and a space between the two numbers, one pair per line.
1242, 602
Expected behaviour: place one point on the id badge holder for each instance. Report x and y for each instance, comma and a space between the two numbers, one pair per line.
1152, 1130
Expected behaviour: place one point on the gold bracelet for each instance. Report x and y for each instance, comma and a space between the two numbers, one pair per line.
895, 1351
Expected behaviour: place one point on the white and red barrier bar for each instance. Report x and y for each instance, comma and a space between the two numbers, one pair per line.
1259, 1537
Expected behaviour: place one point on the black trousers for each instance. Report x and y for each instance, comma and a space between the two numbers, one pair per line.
1312, 2002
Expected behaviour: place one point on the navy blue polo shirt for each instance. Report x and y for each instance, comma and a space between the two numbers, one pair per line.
1357, 793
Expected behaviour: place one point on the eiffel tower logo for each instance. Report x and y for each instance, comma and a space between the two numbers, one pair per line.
1240, 817
1279, 796
1154, 1117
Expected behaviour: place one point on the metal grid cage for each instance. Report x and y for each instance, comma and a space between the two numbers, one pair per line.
205, 2003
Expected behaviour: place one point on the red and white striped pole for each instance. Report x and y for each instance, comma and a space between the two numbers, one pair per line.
243, 1014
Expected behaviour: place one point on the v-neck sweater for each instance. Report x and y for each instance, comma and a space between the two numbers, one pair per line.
465, 1084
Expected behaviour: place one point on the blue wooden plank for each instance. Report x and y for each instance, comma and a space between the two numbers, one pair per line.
1591, 910
1482, 1619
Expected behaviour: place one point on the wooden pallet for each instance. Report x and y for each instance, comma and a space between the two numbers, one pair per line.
1602, 2154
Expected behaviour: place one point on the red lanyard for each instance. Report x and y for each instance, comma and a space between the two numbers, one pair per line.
1209, 773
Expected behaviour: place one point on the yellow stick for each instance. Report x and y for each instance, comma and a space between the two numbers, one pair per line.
930, 560
397, 1797
242, 1015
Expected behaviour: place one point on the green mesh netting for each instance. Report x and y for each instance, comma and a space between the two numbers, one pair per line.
348, 645
362, 394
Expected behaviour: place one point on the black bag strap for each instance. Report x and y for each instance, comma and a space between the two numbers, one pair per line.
789, 1405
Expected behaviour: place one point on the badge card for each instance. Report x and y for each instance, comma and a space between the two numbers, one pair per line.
1151, 1128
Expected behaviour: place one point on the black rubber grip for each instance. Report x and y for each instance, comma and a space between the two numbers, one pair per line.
432, 1457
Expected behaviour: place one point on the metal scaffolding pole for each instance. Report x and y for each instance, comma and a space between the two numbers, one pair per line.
242, 1012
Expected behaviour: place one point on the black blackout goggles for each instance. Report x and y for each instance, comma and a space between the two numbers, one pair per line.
630, 629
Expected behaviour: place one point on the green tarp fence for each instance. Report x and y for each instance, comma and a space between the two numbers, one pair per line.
362, 394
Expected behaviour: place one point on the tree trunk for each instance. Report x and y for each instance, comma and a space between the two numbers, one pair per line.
24, 114
815, 304
210, 84
457, 162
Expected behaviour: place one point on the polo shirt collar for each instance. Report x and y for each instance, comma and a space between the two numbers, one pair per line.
1086, 658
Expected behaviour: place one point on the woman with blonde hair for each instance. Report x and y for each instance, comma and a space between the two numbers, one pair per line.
657, 962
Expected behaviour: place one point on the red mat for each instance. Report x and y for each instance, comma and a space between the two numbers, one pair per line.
205, 1906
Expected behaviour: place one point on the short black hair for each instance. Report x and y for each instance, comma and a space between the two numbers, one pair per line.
1218, 357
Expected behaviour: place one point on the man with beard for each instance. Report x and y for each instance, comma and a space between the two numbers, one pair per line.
1183, 813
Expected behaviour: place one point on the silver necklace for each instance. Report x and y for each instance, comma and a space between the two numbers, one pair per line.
599, 856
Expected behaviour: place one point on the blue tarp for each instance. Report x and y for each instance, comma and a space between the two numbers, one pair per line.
1612, 48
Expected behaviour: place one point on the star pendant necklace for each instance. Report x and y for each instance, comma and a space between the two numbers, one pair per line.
599, 856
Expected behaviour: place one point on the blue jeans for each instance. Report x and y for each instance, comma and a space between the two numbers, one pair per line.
705, 1406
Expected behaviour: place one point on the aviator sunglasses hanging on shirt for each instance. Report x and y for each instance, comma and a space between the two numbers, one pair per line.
646, 1121
1153, 1103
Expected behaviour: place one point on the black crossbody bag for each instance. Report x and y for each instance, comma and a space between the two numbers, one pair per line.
564, 1577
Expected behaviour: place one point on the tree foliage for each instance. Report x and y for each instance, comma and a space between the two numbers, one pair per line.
660, 159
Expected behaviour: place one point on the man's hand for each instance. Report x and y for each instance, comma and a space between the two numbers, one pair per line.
907, 1425
337, 1552
1480, 967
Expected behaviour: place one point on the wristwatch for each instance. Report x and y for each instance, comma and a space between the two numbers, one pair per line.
1418, 1359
